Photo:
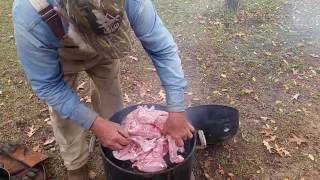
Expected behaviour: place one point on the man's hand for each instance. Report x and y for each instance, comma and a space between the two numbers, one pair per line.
178, 127
110, 134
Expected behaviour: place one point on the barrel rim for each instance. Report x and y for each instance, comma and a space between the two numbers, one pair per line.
233, 109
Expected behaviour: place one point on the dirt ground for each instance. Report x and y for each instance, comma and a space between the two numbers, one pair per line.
264, 61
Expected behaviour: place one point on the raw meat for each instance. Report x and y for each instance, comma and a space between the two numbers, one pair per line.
148, 145
173, 149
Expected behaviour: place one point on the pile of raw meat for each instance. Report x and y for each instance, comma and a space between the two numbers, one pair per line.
148, 145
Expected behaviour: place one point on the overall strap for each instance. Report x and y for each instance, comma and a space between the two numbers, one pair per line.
50, 16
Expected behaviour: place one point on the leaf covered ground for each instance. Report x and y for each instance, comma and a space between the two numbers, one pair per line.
264, 61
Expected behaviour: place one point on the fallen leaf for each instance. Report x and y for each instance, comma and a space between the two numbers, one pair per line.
314, 55
281, 151
36, 148
286, 87
207, 165
305, 110
162, 95
151, 69
47, 119
81, 86
32, 131
133, 58
143, 91
241, 34
207, 175
275, 128
268, 53
217, 92
267, 131
278, 102
189, 93
296, 139
296, 96
230, 174
295, 71
126, 98
268, 146
202, 21
313, 72
1, 92
92, 174
31, 96
300, 44
221, 170
87, 99
311, 157
254, 79
264, 118
49, 141
271, 138
258, 171
247, 91
286, 62
223, 75
196, 99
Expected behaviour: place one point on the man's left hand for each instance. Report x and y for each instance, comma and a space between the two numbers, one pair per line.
178, 127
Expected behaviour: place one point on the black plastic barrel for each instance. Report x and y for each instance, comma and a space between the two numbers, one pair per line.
4, 174
216, 121
122, 170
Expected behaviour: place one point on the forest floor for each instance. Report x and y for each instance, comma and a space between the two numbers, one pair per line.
265, 61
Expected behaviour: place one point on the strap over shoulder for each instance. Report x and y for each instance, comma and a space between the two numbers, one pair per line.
50, 16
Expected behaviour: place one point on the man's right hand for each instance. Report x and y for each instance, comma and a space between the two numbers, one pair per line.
110, 134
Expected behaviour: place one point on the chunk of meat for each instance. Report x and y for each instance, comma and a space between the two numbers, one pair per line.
173, 151
145, 144
147, 131
130, 152
153, 161
148, 146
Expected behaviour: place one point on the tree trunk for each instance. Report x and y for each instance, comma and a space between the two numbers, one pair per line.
232, 5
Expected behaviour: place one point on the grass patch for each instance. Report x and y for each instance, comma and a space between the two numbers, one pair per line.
15, 91
264, 6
